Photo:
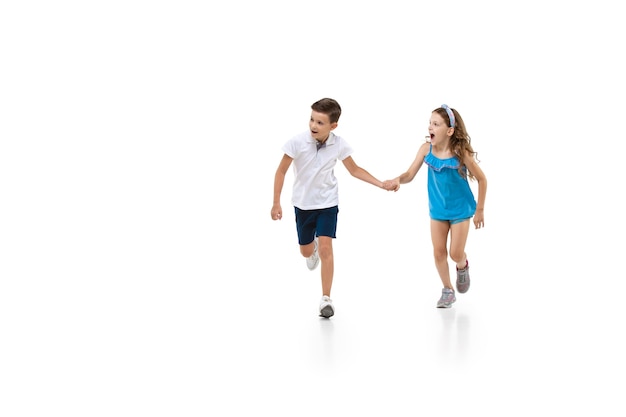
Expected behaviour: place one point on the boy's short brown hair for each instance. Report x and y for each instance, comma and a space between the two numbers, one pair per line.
329, 107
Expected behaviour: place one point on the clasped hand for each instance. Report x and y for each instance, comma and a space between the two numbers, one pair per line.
391, 185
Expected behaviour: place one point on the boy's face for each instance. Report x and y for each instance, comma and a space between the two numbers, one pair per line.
320, 126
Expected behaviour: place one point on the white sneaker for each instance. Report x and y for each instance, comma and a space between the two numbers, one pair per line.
313, 260
326, 307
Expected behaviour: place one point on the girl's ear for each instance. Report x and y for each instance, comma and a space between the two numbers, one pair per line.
450, 131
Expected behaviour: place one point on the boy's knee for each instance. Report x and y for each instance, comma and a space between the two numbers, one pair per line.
307, 250
325, 248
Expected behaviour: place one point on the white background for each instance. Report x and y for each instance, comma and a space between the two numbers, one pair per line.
141, 274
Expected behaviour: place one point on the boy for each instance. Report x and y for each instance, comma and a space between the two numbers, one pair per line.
315, 194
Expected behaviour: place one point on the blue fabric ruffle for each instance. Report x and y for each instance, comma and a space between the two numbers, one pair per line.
439, 164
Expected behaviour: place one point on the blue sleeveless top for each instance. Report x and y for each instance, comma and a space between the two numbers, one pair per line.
449, 194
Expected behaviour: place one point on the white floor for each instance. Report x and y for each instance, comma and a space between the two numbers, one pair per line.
217, 315
175, 320
532, 338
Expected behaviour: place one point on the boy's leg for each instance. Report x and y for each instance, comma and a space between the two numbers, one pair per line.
305, 226
326, 308
326, 230
307, 250
316, 231
328, 263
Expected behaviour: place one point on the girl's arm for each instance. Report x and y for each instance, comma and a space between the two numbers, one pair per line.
474, 168
360, 173
410, 173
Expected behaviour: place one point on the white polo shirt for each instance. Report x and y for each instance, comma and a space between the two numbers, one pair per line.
315, 185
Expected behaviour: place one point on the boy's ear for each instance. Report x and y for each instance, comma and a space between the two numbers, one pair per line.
333, 125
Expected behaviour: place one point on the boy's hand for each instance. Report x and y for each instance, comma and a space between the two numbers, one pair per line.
277, 212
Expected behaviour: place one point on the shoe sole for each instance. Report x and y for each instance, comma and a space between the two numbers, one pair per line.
446, 305
327, 312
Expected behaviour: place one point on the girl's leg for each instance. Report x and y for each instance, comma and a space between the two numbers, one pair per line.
458, 238
328, 263
439, 236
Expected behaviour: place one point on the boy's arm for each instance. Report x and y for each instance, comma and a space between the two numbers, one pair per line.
279, 180
358, 172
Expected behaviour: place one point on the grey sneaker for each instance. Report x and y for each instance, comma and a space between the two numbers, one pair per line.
313, 260
447, 298
326, 307
463, 279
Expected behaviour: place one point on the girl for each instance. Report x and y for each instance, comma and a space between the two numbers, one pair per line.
451, 161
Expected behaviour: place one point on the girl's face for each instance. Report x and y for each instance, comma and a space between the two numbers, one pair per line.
320, 126
438, 129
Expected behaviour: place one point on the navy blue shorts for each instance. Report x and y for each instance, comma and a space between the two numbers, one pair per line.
320, 222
